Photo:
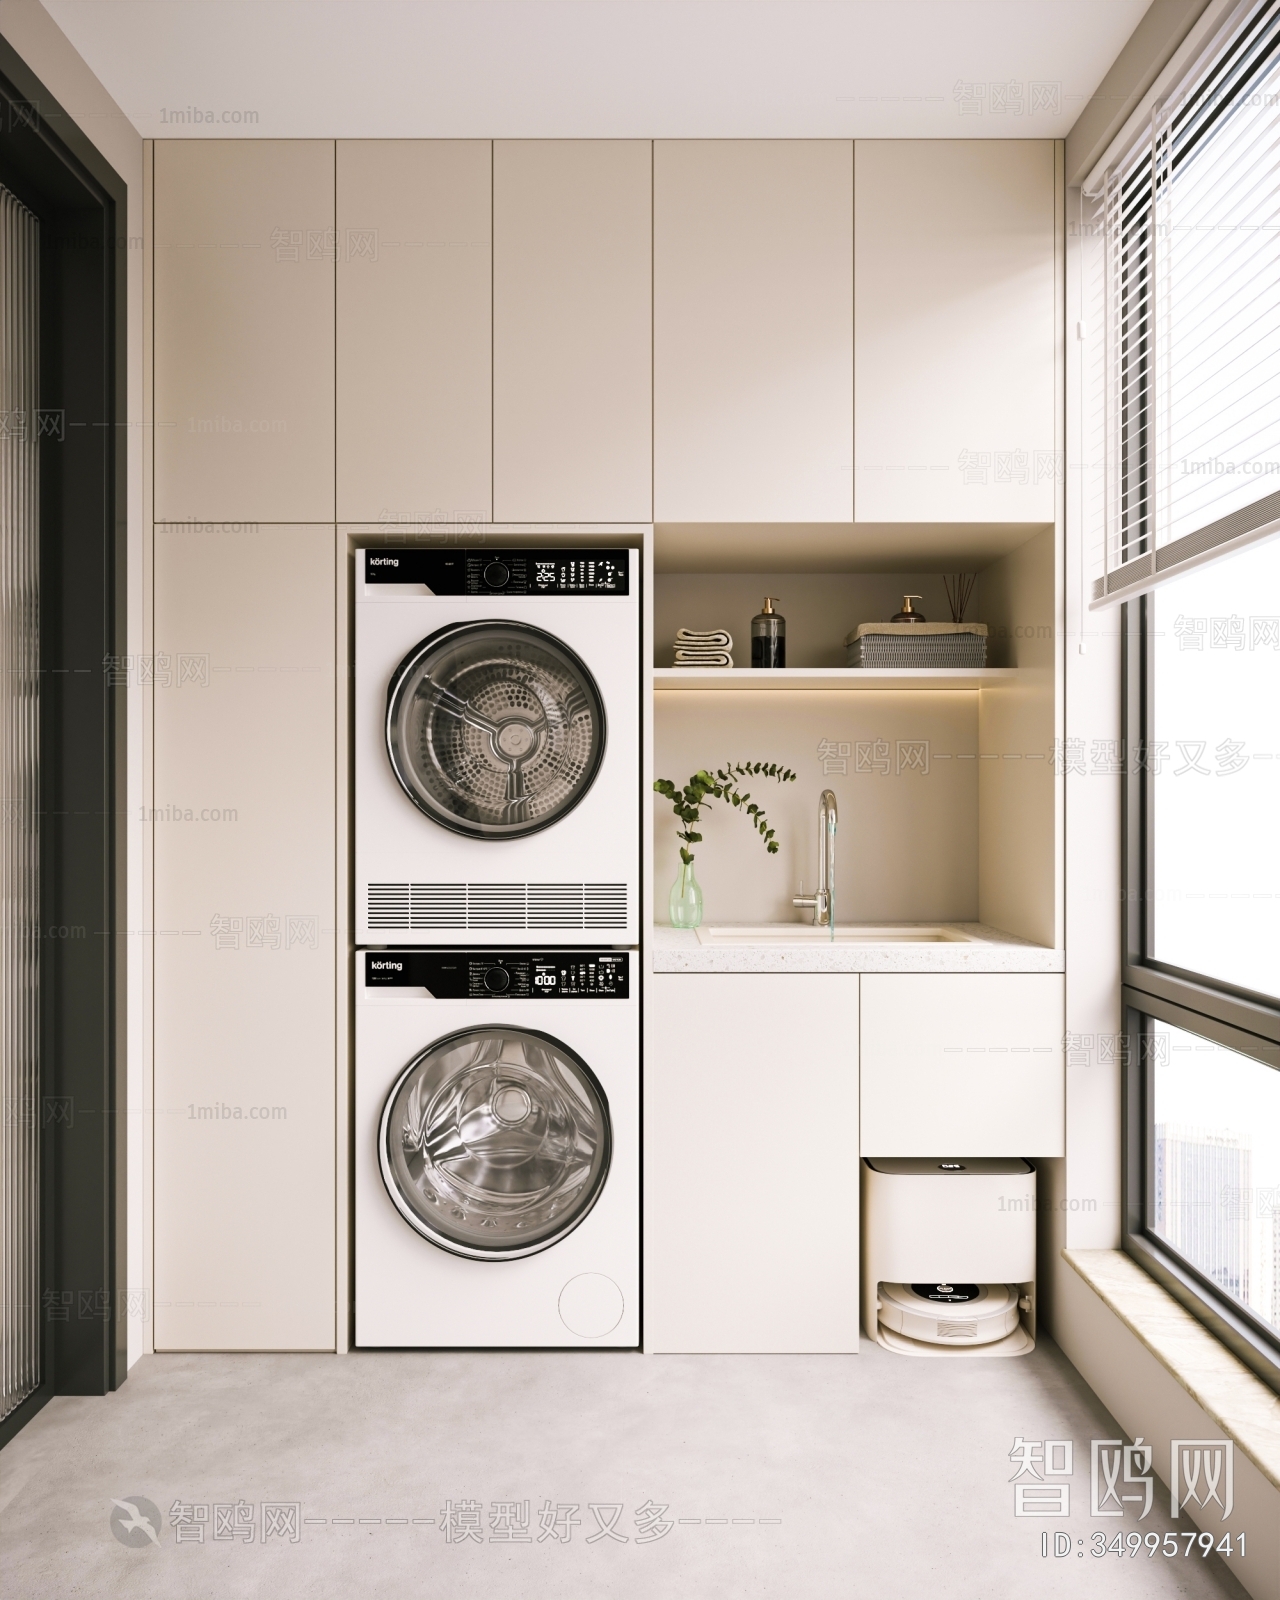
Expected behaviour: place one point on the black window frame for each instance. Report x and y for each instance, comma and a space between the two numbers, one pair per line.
1222, 1013
56, 171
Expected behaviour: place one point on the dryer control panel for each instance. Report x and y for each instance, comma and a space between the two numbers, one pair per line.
502, 974
527, 571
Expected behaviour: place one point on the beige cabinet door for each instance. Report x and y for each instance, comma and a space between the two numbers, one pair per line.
244, 262
245, 897
954, 330
751, 1165
753, 330
962, 1064
572, 316
414, 325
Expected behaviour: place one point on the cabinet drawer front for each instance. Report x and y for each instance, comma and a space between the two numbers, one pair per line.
962, 1064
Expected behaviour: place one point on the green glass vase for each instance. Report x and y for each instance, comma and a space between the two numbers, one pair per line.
686, 898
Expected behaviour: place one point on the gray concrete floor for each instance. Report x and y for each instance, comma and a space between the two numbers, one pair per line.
815, 1476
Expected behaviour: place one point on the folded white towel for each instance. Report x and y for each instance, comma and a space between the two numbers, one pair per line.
702, 658
706, 638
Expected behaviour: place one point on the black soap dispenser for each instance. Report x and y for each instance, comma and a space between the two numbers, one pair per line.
768, 637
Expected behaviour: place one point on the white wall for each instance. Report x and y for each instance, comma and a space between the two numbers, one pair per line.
46, 50
906, 847
1087, 1184
1019, 848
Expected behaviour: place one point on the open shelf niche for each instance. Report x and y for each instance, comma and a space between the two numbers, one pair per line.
946, 781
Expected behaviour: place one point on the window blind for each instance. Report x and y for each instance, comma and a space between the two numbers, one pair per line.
1192, 222
1127, 220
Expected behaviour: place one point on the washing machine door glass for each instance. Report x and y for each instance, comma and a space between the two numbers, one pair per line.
495, 729
495, 1142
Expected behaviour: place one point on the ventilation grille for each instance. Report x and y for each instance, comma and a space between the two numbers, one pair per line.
556, 905
418, 907
957, 1330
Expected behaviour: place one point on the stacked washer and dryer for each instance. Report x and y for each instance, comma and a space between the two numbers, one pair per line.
497, 1074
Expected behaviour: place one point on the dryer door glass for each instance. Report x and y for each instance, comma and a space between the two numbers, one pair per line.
495, 1142
494, 729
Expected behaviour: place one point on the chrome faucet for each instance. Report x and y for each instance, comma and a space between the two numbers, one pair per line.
823, 900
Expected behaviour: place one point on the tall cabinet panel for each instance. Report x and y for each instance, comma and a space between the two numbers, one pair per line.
753, 330
245, 899
414, 330
572, 320
955, 330
244, 282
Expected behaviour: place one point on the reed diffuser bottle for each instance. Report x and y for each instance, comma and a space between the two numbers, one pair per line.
768, 637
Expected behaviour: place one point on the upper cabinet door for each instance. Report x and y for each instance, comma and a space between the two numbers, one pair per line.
753, 330
244, 268
572, 330
415, 290
955, 331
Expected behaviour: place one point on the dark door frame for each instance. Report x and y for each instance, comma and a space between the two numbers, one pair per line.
54, 169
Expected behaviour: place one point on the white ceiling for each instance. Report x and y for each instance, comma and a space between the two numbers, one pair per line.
599, 68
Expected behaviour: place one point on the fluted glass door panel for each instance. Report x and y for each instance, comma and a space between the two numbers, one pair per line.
20, 1372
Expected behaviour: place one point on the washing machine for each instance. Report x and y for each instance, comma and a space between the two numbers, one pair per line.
497, 1148
497, 745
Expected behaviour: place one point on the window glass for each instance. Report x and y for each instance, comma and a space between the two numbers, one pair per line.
1215, 1179
1213, 757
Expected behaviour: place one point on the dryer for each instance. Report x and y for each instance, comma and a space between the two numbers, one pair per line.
497, 1146
497, 745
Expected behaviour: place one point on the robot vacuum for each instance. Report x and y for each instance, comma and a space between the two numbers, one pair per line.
950, 1313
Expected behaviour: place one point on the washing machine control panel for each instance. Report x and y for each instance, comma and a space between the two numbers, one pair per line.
528, 571
502, 974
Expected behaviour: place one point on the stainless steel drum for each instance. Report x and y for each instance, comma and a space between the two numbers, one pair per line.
495, 729
495, 1142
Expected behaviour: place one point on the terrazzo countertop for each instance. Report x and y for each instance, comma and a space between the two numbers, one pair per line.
983, 950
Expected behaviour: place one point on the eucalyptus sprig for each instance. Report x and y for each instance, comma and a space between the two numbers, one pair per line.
723, 784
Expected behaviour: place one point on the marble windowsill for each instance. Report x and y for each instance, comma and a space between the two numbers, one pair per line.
1221, 1385
985, 950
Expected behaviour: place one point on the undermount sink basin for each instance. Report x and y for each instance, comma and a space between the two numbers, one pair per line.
849, 933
